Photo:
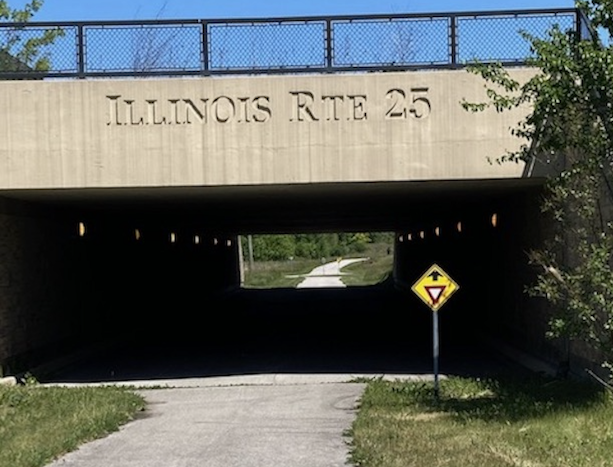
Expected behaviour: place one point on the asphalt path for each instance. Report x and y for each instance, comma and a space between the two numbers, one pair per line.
327, 275
232, 426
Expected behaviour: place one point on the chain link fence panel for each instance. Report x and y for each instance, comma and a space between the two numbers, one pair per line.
267, 46
393, 42
501, 39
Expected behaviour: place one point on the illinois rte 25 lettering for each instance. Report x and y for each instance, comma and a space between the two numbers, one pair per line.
221, 109
402, 105
302, 106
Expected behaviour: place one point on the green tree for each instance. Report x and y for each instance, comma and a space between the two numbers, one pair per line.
273, 247
23, 49
571, 118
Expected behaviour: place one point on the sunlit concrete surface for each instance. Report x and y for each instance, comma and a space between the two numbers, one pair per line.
237, 131
328, 275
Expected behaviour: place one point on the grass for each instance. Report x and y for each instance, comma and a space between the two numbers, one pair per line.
279, 274
375, 270
533, 422
38, 424
274, 274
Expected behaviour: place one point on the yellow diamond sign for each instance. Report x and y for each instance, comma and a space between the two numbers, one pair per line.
435, 287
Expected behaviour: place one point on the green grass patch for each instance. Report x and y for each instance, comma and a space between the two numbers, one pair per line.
374, 271
38, 424
532, 422
278, 274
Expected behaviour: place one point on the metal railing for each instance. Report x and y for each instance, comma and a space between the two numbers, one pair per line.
278, 45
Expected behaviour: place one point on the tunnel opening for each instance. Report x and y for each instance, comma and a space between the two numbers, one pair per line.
316, 260
153, 276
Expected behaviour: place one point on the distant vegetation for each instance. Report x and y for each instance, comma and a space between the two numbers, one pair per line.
313, 246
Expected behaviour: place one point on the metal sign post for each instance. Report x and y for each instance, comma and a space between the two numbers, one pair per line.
434, 288
435, 345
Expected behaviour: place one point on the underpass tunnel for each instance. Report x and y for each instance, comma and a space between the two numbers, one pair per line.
153, 271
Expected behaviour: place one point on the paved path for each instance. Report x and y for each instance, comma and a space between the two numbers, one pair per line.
327, 275
236, 426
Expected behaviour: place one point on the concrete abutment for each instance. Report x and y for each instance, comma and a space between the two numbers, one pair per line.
41, 288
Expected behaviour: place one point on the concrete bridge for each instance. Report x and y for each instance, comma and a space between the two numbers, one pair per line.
123, 194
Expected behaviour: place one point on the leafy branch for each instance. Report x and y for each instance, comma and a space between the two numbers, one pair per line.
21, 48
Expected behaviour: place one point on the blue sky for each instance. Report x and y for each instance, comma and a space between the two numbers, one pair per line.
72, 10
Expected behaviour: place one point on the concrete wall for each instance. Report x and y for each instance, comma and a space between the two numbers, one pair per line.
40, 286
250, 130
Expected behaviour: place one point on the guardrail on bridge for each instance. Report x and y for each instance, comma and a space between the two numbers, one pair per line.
279, 45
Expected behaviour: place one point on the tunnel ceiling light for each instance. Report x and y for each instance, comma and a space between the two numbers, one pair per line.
495, 220
215, 242
437, 231
459, 226
228, 242
401, 239
410, 237
137, 235
173, 237
82, 229
196, 239
422, 234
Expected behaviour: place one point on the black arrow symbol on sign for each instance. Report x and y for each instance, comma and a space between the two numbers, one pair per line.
435, 276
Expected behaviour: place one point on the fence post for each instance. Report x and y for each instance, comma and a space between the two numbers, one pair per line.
453, 37
206, 66
329, 46
80, 52
578, 23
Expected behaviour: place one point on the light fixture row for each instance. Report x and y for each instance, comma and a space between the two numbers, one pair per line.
172, 237
437, 230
